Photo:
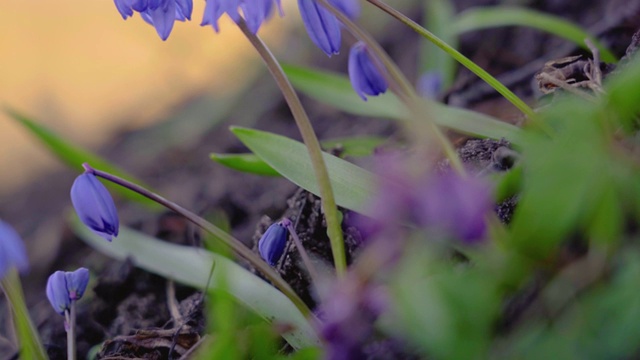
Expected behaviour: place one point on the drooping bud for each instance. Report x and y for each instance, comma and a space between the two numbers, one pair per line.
363, 73
94, 206
57, 292
322, 26
273, 241
12, 250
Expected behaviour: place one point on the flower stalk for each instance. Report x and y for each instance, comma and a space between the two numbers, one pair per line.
227, 239
70, 318
334, 229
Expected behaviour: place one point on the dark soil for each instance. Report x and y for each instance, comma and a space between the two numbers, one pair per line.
130, 310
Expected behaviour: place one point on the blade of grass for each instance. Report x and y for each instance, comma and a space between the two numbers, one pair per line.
74, 156
496, 16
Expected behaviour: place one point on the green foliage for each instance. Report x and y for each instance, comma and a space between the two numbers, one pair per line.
191, 266
74, 156
352, 185
250, 163
335, 90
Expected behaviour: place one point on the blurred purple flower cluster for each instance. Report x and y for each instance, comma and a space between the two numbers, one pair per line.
348, 313
445, 204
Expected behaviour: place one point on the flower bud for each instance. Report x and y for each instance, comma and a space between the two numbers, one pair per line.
94, 206
351, 8
322, 26
272, 243
77, 282
12, 250
363, 73
65, 287
57, 292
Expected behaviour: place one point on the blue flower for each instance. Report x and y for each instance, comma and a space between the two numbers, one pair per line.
254, 12
12, 250
77, 282
57, 292
272, 243
363, 73
94, 206
161, 14
65, 287
322, 26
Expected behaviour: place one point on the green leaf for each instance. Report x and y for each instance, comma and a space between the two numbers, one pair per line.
352, 185
335, 90
74, 157
248, 163
354, 146
495, 16
191, 266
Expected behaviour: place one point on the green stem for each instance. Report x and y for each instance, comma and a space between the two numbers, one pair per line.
30, 345
227, 239
334, 229
463, 60
403, 88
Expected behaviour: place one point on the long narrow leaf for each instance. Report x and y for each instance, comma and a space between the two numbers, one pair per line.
250, 163
335, 90
74, 157
495, 16
352, 185
191, 266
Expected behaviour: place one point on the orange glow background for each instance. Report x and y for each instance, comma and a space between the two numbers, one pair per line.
81, 70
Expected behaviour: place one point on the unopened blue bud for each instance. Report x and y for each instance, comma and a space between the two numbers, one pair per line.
322, 26
94, 206
12, 250
363, 73
57, 292
272, 243
77, 282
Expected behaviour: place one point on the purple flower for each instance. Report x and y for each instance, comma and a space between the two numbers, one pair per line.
65, 287
12, 250
348, 313
364, 74
94, 206
455, 205
272, 243
445, 203
322, 26
254, 12
77, 282
161, 14
57, 292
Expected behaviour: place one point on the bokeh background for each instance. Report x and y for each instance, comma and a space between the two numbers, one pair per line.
81, 70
